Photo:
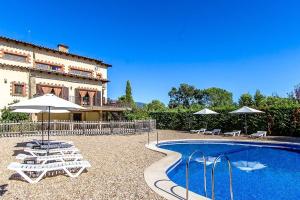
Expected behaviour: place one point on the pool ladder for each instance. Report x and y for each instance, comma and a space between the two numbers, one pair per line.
212, 174
187, 172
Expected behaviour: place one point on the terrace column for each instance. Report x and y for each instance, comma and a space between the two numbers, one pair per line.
57, 91
82, 93
46, 89
91, 95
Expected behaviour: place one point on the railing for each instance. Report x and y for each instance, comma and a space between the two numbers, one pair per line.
28, 128
108, 104
116, 104
213, 177
187, 172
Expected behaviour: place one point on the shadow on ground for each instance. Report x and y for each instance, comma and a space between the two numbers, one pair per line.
16, 152
21, 144
3, 189
171, 192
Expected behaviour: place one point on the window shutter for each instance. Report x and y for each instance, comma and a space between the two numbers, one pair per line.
65, 93
24, 90
98, 99
39, 91
77, 97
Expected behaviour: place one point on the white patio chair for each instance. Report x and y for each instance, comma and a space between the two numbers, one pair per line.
233, 133
61, 151
258, 134
213, 132
202, 130
41, 170
46, 159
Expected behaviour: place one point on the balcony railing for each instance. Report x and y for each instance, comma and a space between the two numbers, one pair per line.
109, 104
117, 104
84, 102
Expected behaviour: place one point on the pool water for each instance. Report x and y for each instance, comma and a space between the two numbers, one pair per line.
260, 171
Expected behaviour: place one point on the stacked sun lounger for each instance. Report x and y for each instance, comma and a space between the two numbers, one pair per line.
233, 133
49, 156
202, 130
213, 132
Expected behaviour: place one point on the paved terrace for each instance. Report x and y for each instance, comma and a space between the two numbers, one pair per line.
117, 171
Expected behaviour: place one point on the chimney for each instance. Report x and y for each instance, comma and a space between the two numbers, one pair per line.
63, 48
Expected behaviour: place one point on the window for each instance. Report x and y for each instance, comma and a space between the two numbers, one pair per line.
99, 76
86, 100
55, 68
42, 66
18, 89
80, 72
48, 67
14, 57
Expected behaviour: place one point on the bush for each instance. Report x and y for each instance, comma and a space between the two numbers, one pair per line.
283, 121
8, 115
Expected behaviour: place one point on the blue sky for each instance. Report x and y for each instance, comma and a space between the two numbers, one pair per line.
238, 45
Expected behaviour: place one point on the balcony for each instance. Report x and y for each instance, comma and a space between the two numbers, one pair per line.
80, 73
112, 106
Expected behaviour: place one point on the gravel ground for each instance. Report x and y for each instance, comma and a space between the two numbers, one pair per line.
118, 164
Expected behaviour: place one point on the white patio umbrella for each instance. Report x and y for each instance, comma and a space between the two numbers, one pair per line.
39, 111
206, 111
246, 110
46, 102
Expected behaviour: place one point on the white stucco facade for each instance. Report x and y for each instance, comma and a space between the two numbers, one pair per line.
7, 76
27, 72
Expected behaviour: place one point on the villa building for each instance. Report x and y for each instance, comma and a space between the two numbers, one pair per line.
28, 70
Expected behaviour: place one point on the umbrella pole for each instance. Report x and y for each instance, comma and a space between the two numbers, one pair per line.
48, 127
246, 124
205, 122
42, 128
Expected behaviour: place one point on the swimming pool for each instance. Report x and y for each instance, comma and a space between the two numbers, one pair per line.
260, 171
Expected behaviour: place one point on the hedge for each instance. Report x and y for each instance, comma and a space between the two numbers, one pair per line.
281, 121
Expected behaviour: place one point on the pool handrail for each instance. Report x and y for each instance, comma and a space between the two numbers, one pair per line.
187, 172
213, 176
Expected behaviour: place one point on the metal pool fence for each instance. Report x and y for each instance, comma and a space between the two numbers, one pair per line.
29, 128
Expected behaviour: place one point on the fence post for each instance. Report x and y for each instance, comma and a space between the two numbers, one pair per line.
20, 128
156, 137
83, 128
54, 127
111, 128
148, 137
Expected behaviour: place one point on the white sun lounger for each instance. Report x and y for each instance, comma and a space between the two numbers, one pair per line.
45, 142
45, 159
202, 130
259, 134
50, 145
213, 132
41, 170
233, 133
61, 151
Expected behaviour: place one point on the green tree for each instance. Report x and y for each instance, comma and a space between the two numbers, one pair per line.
216, 97
246, 100
258, 98
185, 96
128, 94
276, 101
155, 105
